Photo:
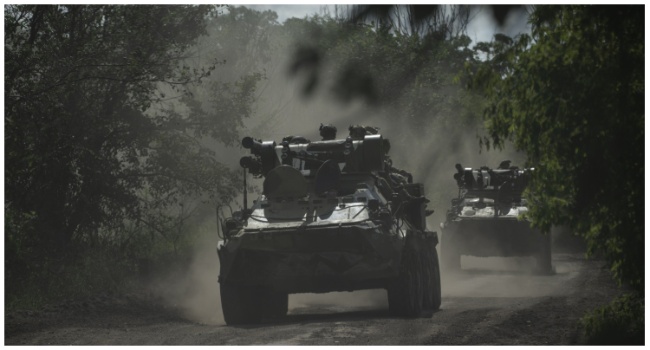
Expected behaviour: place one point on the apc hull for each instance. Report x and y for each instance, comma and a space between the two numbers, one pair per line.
488, 237
313, 260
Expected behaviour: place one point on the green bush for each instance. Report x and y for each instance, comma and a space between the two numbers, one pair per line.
622, 322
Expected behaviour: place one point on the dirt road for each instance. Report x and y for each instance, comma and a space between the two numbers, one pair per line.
491, 302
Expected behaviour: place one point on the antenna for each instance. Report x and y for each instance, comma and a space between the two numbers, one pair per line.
245, 211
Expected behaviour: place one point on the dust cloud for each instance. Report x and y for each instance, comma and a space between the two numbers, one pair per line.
512, 277
192, 291
500, 277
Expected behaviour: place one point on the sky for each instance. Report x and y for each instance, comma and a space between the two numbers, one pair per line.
482, 27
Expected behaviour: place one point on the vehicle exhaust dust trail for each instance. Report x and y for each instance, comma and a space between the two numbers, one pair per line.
192, 291
201, 303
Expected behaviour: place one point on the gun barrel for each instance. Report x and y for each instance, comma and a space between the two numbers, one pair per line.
250, 143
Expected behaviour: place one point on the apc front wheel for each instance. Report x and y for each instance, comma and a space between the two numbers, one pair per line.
237, 305
405, 295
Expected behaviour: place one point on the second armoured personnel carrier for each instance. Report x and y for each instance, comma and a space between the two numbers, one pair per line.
334, 215
485, 219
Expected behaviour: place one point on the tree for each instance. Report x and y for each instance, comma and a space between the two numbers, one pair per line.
572, 97
93, 131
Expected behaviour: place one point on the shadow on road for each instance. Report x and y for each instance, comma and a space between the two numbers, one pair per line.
325, 314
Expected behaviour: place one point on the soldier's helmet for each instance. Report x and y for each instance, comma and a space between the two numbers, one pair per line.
327, 132
357, 132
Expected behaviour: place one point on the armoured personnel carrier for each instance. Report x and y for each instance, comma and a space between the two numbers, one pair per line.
484, 220
334, 215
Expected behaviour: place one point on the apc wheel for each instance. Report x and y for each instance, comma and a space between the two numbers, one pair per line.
242, 305
237, 305
432, 296
405, 294
275, 304
450, 252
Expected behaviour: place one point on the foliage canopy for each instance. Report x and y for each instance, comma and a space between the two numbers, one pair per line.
571, 95
103, 128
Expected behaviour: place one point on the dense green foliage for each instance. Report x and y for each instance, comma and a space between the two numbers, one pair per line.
103, 131
571, 96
